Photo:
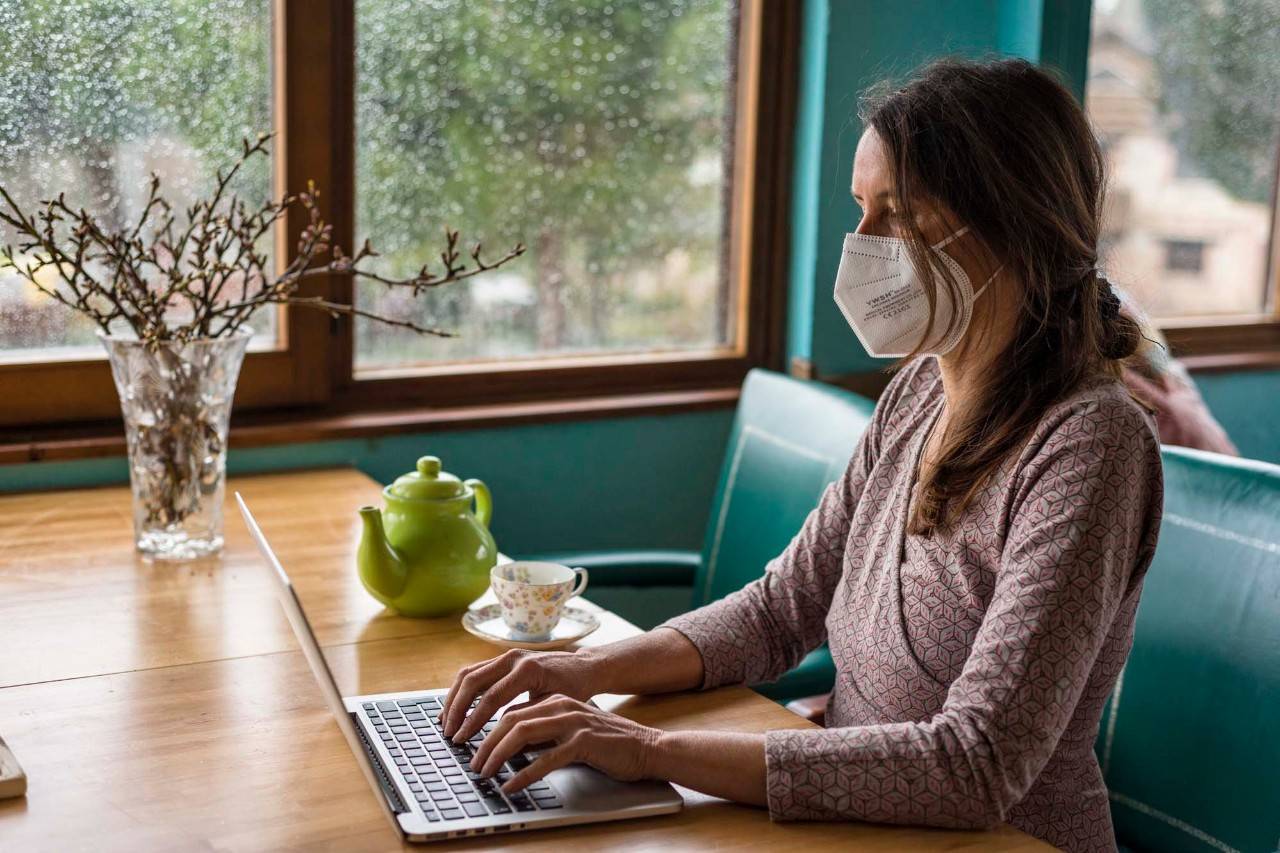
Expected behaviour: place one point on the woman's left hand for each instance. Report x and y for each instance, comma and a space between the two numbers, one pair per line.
580, 733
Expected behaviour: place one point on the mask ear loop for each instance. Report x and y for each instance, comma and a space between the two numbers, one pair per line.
987, 283
954, 236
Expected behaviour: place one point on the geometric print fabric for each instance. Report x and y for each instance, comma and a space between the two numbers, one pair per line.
972, 664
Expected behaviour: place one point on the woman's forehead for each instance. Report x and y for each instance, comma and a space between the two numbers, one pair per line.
872, 175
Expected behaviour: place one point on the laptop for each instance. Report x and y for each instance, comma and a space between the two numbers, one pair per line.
423, 780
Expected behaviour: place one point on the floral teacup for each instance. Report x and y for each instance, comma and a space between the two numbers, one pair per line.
533, 595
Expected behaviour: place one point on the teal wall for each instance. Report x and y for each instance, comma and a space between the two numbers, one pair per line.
627, 482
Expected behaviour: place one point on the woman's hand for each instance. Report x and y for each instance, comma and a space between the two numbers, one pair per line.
501, 679
579, 733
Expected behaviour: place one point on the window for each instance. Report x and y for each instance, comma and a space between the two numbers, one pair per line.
107, 101
599, 135
1184, 256
631, 146
1183, 94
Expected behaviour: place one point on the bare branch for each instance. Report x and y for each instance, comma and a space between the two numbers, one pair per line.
171, 281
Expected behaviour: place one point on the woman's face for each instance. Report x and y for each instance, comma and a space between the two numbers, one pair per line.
873, 191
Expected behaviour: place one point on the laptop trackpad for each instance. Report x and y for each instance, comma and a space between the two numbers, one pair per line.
584, 788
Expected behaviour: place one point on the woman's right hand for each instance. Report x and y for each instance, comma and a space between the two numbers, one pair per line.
499, 680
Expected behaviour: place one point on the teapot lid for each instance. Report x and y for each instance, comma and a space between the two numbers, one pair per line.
427, 483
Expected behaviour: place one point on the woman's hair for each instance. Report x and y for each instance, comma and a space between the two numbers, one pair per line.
1005, 148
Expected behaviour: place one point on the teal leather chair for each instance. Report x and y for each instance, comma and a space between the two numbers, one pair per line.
1190, 740
790, 439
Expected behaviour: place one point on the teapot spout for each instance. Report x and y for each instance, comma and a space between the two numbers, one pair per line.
382, 568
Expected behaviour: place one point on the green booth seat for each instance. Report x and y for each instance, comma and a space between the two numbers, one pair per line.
1190, 740
790, 439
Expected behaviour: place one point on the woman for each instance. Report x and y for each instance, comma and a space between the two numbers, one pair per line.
976, 569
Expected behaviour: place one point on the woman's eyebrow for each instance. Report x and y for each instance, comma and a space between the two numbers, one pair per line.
883, 194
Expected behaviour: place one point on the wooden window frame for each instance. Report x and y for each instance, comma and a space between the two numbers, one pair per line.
767, 35
310, 378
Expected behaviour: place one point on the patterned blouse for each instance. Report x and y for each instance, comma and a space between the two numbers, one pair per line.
972, 665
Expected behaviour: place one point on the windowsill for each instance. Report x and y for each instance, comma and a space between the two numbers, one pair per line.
261, 429
1244, 344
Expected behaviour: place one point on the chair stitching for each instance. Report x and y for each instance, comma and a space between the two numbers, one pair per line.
1176, 823
714, 558
1220, 533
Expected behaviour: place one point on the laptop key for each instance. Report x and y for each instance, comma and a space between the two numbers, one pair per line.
442, 796
387, 706
497, 806
523, 806
451, 814
474, 809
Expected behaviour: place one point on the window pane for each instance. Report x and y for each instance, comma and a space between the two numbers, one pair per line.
1184, 94
598, 133
98, 94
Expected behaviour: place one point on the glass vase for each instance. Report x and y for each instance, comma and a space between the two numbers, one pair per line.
176, 402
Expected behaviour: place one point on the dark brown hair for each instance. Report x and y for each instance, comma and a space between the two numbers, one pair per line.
1006, 148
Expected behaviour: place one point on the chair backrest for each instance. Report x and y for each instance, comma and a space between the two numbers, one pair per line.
790, 439
1190, 740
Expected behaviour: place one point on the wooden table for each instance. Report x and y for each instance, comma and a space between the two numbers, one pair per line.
159, 706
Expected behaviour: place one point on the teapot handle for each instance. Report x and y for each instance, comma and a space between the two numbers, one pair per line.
484, 501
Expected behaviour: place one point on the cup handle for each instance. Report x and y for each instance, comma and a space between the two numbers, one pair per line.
581, 584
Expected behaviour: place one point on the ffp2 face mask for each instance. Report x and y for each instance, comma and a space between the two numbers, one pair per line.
882, 297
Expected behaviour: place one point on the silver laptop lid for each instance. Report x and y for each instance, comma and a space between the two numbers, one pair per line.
315, 658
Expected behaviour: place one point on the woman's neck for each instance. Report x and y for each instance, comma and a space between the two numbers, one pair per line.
968, 368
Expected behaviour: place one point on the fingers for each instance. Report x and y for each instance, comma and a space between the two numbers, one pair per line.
553, 759
469, 683
513, 716
453, 688
500, 693
497, 751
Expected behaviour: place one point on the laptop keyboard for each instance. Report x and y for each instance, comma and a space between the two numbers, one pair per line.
438, 770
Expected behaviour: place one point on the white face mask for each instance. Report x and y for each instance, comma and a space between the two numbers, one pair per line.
882, 297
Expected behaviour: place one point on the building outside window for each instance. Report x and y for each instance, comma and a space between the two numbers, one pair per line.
1184, 94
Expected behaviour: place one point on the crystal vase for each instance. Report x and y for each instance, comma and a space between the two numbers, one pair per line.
176, 402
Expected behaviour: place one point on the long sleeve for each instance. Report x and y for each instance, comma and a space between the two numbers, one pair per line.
1082, 511
764, 629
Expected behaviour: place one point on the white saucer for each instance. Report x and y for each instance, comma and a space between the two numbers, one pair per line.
486, 623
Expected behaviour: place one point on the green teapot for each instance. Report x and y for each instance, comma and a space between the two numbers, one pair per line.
428, 554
